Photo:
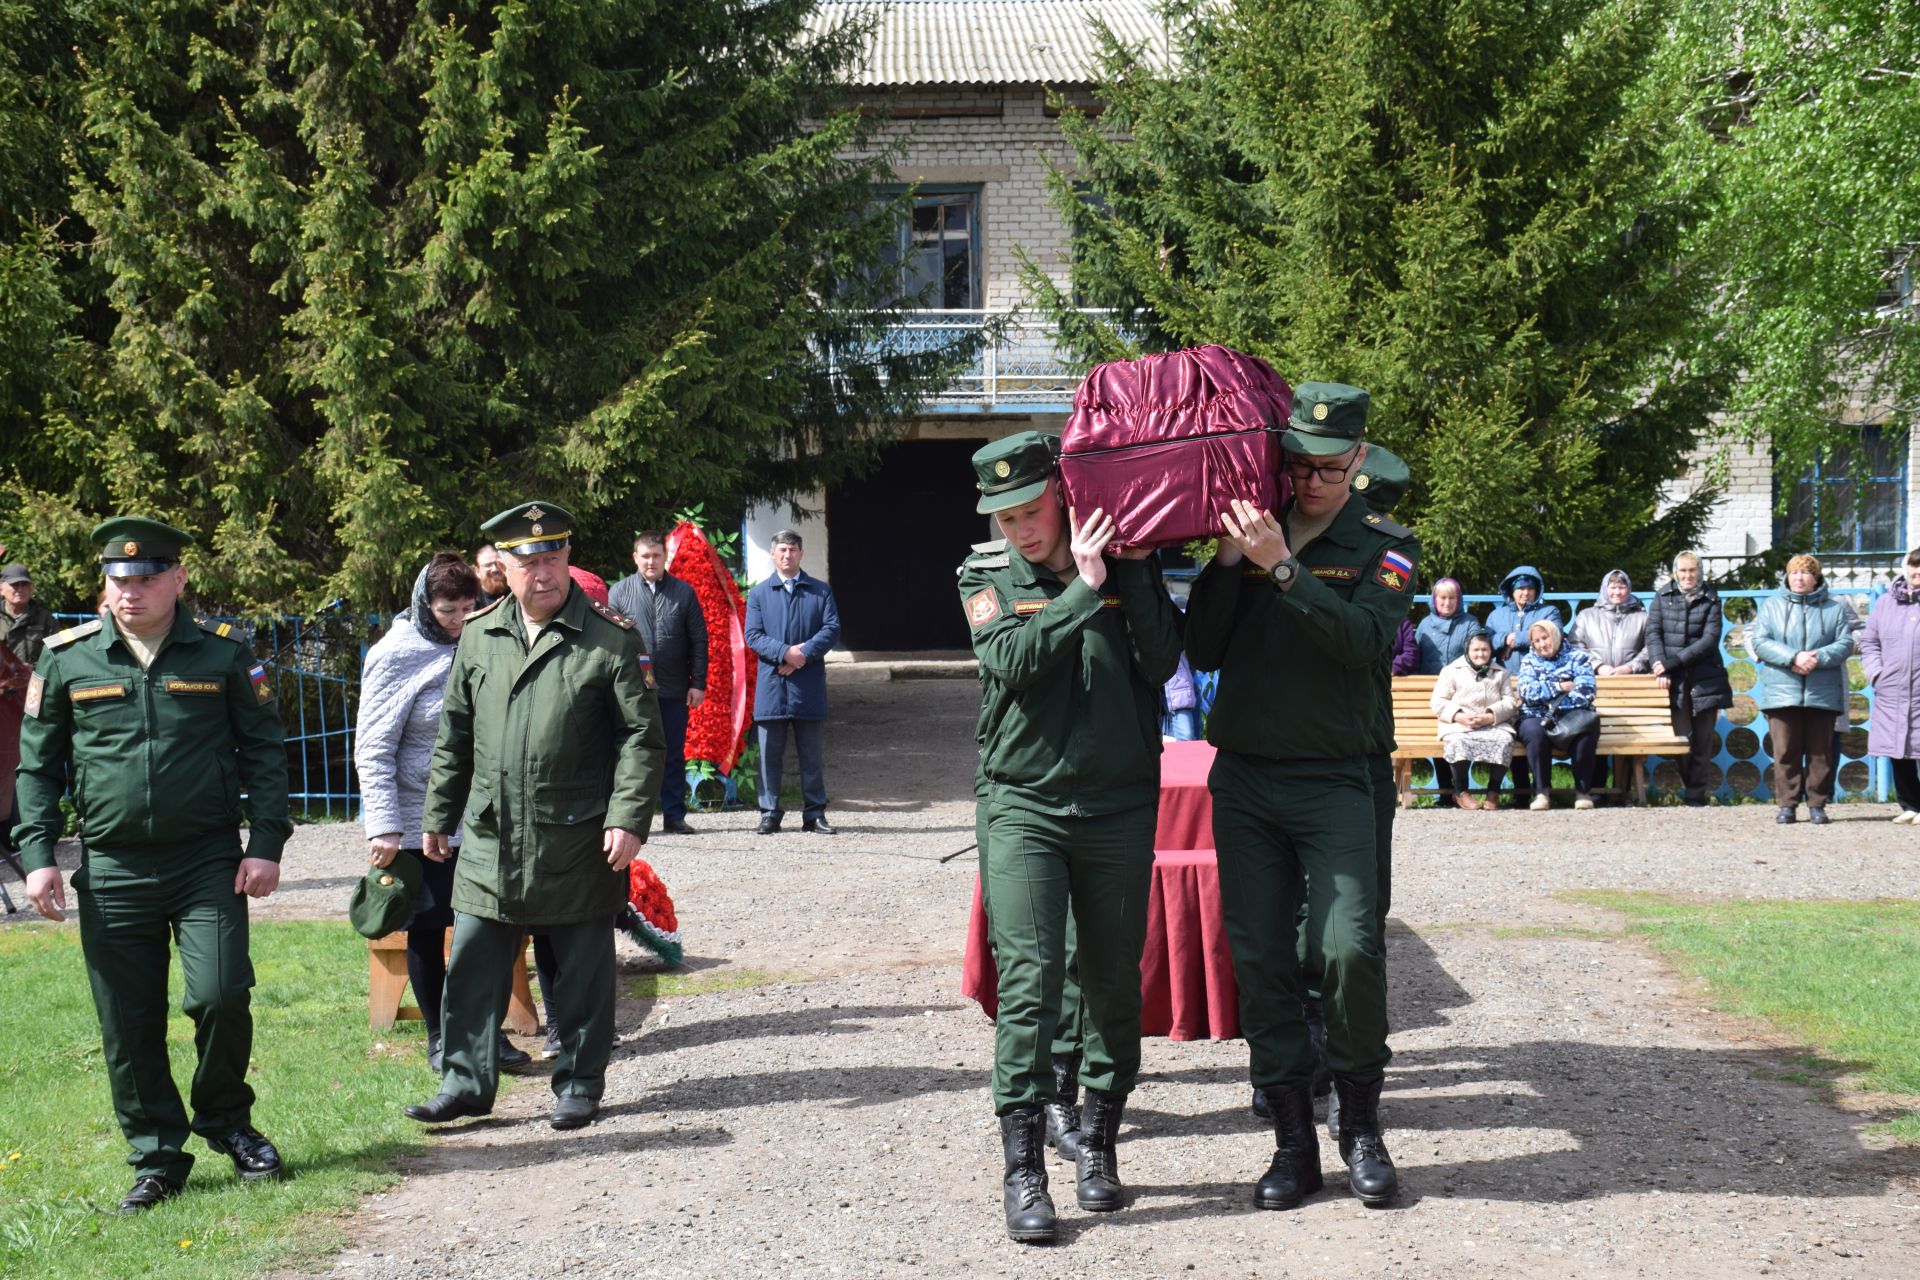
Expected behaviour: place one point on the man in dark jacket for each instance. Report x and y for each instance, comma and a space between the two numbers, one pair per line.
668, 615
792, 622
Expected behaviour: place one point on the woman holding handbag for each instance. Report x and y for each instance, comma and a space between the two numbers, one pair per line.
1556, 687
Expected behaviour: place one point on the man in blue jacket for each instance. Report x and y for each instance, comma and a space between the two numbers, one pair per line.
791, 624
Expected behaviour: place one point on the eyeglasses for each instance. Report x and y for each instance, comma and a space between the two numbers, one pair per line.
1326, 475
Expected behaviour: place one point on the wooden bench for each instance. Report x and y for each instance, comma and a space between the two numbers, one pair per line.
1634, 722
387, 982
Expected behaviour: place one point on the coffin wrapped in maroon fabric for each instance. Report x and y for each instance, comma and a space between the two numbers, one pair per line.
1162, 442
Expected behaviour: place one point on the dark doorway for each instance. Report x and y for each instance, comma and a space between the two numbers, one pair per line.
894, 540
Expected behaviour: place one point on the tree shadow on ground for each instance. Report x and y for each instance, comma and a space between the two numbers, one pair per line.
836, 1020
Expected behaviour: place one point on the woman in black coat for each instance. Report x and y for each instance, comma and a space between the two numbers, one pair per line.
1683, 640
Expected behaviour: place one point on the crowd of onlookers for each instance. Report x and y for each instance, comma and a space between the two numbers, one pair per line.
1525, 677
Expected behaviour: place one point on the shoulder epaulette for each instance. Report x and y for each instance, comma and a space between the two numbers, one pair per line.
486, 608
225, 630
1381, 524
78, 632
986, 555
611, 614
994, 547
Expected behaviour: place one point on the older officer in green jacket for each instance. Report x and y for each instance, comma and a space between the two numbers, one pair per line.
162, 724
1074, 645
549, 753
1297, 613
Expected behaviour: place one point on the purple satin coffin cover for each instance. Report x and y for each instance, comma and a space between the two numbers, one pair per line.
1164, 441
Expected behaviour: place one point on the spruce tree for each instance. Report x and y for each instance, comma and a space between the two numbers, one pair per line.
1462, 206
376, 269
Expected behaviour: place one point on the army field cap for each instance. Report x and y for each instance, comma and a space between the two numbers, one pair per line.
134, 546
15, 573
1382, 479
1014, 470
1328, 419
530, 528
383, 900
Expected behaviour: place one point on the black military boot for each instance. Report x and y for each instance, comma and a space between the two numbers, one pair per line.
1317, 1037
1063, 1113
1370, 1170
1098, 1165
1029, 1209
1295, 1172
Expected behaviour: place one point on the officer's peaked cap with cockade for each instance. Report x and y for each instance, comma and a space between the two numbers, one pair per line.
1328, 418
382, 902
1015, 470
1382, 479
134, 546
530, 528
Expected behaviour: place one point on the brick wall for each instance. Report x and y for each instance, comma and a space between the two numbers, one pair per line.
1742, 523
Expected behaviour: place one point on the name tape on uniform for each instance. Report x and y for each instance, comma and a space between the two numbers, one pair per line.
176, 685
97, 692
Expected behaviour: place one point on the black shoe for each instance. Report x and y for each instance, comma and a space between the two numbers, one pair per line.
253, 1156
149, 1190
511, 1058
769, 824
818, 826
1097, 1168
1817, 815
445, 1109
550, 1047
435, 1060
1063, 1113
677, 827
1260, 1107
1317, 1038
1295, 1172
1333, 1117
1785, 815
573, 1112
1695, 802
1024, 1185
1370, 1171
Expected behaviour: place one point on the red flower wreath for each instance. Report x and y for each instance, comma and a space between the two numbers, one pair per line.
717, 728
650, 919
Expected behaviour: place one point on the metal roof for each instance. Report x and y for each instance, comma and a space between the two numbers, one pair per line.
931, 42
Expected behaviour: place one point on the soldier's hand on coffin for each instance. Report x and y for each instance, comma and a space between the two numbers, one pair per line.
1090, 543
1256, 533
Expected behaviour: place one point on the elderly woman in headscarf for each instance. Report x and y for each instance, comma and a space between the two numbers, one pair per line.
1613, 631
1890, 652
1519, 608
401, 689
1440, 639
1683, 641
1555, 679
1473, 700
1801, 637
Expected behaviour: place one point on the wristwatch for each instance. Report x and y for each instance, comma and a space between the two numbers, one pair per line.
1284, 573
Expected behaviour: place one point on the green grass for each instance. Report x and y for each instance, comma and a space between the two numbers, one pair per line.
328, 1098
704, 982
1842, 978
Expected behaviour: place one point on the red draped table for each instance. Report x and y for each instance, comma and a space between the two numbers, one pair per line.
1186, 969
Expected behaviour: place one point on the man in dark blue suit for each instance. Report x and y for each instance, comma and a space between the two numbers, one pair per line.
791, 624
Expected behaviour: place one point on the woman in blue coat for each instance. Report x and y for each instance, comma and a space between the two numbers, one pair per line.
1510, 622
1555, 678
1440, 638
1801, 638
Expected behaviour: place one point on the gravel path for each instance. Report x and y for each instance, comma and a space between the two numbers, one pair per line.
1559, 1104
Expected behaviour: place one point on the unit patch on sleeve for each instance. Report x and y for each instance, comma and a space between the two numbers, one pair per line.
1395, 572
262, 687
36, 692
982, 607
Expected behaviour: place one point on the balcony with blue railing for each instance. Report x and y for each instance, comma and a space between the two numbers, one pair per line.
1020, 369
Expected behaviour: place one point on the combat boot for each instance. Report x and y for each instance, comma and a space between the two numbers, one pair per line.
1370, 1170
1063, 1113
1098, 1165
1317, 1037
1029, 1209
1295, 1172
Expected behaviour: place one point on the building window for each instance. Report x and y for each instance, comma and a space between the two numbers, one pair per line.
1855, 502
936, 250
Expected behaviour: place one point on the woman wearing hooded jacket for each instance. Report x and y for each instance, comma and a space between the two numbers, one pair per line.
401, 689
1555, 677
1801, 638
1511, 622
1890, 651
1683, 641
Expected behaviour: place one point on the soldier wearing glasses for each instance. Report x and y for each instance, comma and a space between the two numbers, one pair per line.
1297, 613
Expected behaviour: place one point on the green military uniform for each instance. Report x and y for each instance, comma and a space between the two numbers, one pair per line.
165, 762
1296, 718
543, 746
